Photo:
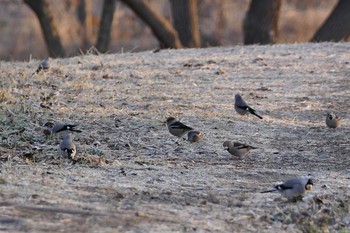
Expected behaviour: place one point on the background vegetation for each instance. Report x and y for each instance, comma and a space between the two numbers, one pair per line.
220, 23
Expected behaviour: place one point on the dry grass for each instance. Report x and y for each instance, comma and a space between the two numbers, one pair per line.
133, 176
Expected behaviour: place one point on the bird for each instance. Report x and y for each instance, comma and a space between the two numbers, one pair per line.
194, 136
63, 127
176, 128
67, 146
59, 127
294, 188
242, 107
236, 148
44, 65
332, 120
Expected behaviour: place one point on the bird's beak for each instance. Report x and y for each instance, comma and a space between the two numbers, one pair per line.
308, 187
225, 147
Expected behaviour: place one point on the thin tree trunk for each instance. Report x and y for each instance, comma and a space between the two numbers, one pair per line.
81, 10
260, 23
185, 21
84, 12
104, 33
337, 25
161, 28
48, 25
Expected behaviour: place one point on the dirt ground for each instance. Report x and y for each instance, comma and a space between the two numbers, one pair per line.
133, 176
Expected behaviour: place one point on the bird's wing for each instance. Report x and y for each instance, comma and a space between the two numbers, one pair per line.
295, 181
238, 145
179, 125
284, 187
244, 107
69, 128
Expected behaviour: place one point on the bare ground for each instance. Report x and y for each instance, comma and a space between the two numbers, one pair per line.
133, 176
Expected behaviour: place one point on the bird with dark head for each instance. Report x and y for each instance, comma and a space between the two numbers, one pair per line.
332, 120
44, 65
242, 107
61, 128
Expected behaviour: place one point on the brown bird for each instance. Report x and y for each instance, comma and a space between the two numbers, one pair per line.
236, 148
176, 128
332, 120
194, 136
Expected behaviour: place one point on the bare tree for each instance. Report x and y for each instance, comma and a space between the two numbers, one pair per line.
104, 33
337, 25
48, 25
260, 23
185, 21
160, 27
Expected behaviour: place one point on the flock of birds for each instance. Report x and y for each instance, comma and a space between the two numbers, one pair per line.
292, 189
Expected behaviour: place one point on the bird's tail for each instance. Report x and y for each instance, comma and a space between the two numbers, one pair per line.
252, 111
269, 191
75, 130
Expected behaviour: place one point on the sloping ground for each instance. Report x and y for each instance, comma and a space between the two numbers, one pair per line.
133, 176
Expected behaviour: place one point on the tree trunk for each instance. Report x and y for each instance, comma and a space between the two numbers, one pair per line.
104, 33
260, 23
337, 25
48, 25
185, 21
84, 12
81, 10
160, 27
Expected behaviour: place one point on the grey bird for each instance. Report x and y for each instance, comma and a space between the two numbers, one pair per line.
59, 127
44, 65
242, 107
332, 120
194, 136
236, 148
176, 128
293, 189
67, 146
